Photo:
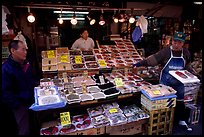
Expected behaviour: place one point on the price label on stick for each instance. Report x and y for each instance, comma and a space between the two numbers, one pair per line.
65, 118
64, 58
118, 82
102, 63
51, 54
78, 59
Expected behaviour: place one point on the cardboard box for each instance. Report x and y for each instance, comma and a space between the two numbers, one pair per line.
49, 68
158, 104
125, 129
64, 66
91, 131
49, 61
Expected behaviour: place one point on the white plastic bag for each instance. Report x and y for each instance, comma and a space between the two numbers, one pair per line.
21, 38
4, 23
143, 23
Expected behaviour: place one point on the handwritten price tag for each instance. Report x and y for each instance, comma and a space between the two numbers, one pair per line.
51, 54
156, 92
78, 59
65, 118
102, 63
113, 110
64, 58
118, 82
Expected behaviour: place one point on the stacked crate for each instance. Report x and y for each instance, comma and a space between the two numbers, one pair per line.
49, 60
63, 58
161, 112
160, 121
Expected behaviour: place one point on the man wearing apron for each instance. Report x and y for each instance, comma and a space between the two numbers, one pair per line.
174, 57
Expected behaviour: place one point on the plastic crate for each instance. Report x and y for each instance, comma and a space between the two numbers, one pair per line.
160, 121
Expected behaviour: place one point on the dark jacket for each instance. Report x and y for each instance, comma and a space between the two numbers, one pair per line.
17, 84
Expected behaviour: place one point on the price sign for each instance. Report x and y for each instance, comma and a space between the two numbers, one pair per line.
113, 110
51, 54
156, 92
64, 58
78, 59
102, 63
118, 82
65, 118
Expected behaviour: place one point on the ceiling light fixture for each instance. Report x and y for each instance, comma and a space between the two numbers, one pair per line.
30, 17
71, 12
92, 21
132, 19
102, 21
74, 20
115, 18
60, 19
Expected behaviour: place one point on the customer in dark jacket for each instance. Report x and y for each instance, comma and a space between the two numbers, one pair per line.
18, 85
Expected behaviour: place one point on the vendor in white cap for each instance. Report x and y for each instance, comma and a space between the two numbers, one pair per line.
174, 57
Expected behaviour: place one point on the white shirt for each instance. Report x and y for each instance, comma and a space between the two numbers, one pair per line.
83, 44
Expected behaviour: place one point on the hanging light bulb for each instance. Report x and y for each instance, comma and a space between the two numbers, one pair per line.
115, 19
92, 21
102, 21
30, 17
60, 19
121, 19
74, 20
132, 19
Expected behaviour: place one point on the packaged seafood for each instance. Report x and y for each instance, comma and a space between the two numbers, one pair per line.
89, 58
86, 97
92, 65
46, 100
184, 76
117, 119
100, 120
98, 95
75, 52
93, 89
124, 89
95, 111
73, 97
82, 122
79, 66
46, 91
110, 105
49, 131
113, 111
89, 52
64, 130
